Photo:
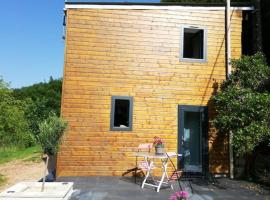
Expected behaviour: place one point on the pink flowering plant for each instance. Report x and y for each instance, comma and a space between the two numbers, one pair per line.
181, 195
158, 142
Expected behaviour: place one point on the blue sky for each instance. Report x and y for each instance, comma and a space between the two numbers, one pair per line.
31, 45
31, 48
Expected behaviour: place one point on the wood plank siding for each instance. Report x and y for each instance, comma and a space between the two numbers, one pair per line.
116, 52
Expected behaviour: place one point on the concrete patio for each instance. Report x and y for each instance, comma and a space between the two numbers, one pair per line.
124, 188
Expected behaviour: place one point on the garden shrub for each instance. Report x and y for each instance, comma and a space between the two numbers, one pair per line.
243, 108
43, 98
243, 104
14, 127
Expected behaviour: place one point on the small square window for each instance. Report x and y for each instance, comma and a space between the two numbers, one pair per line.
121, 113
193, 44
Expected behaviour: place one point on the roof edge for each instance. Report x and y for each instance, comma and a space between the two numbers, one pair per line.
153, 6
233, 4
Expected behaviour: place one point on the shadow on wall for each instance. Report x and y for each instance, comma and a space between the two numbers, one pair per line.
219, 54
218, 143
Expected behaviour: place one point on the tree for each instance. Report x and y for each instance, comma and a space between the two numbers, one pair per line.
43, 99
243, 104
51, 131
14, 128
23, 109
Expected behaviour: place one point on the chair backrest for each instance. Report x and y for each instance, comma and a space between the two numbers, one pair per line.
145, 147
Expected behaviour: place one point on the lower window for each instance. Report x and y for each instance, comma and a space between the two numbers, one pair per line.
121, 113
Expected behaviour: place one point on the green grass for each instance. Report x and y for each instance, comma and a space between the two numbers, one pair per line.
2, 179
36, 157
13, 153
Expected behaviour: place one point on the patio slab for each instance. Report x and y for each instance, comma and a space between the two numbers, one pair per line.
32, 191
124, 188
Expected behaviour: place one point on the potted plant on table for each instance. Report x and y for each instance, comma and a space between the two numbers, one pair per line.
159, 145
51, 131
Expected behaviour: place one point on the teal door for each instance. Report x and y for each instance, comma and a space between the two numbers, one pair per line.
192, 138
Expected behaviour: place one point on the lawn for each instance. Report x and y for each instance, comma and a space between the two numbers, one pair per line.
14, 153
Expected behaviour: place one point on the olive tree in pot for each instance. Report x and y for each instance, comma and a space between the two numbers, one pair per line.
51, 131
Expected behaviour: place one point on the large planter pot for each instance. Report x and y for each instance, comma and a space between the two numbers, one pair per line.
159, 150
50, 166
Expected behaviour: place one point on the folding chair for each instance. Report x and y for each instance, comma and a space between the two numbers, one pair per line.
144, 164
177, 174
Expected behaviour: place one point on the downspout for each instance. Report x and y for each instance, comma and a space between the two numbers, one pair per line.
258, 27
64, 25
229, 69
228, 37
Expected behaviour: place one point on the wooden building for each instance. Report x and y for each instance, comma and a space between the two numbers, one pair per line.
135, 71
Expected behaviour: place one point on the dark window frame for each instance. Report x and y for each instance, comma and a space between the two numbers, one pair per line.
182, 58
112, 127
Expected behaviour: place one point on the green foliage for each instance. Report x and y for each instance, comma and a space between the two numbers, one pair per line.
42, 98
34, 157
14, 128
22, 110
243, 104
250, 72
51, 131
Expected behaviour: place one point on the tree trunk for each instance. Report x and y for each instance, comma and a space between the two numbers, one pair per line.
45, 170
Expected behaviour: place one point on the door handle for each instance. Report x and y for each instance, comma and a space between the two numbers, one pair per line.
183, 140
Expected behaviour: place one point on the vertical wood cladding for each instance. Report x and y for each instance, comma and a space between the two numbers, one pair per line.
136, 53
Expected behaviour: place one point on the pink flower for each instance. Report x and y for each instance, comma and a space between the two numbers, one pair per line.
157, 141
184, 194
180, 195
173, 198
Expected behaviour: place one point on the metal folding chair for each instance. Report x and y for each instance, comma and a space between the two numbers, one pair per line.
177, 174
143, 164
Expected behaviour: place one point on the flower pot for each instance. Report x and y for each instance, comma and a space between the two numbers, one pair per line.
52, 164
51, 167
159, 150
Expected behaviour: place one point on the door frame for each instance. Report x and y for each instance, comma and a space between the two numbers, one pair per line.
191, 108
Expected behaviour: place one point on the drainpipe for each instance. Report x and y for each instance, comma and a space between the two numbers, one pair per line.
228, 37
64, 24
229, 69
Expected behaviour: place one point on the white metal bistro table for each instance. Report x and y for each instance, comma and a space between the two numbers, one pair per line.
149, 157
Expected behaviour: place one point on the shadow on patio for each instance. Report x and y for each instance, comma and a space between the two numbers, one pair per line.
124, 188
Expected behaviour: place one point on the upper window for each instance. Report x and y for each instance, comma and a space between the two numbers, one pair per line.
193, 42
121, 113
